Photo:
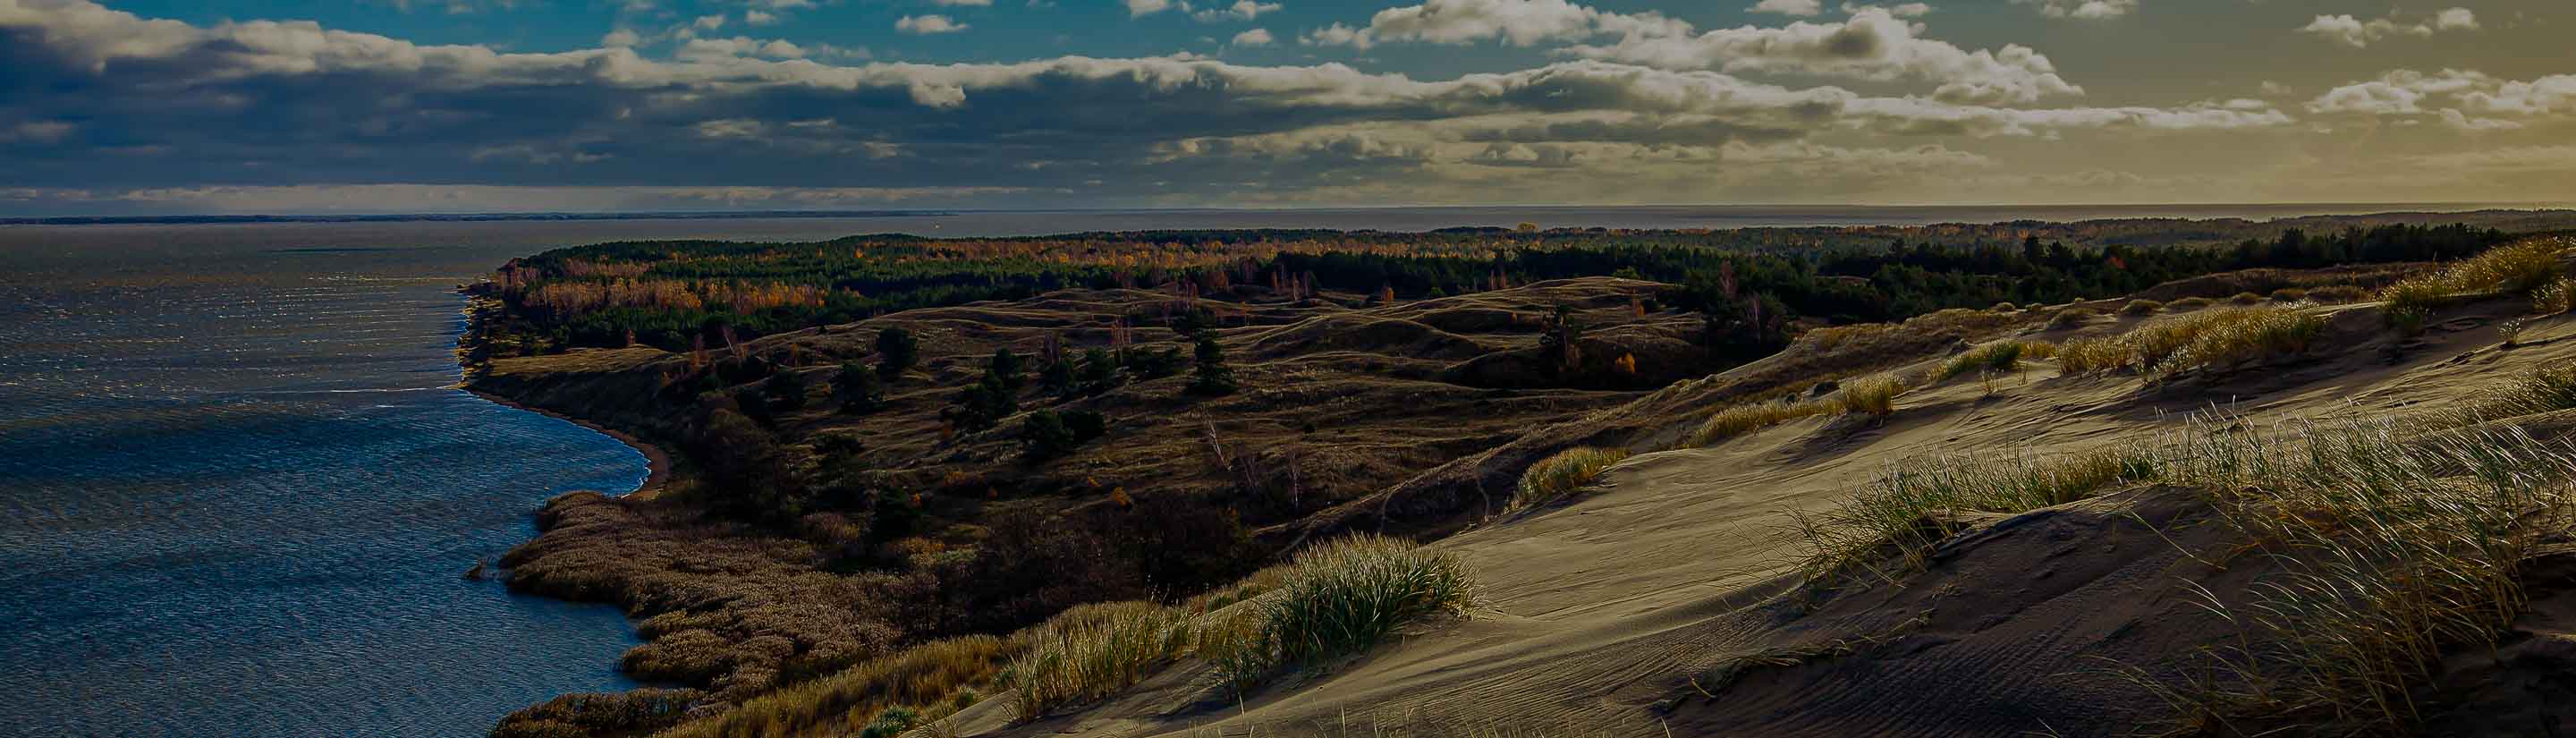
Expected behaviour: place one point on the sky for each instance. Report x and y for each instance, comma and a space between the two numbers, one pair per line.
324, 106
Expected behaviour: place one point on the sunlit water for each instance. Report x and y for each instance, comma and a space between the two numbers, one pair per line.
238, 492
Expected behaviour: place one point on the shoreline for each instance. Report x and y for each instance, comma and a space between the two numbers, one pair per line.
657, 461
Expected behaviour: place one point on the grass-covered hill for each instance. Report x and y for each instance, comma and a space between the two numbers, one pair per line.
1139, 511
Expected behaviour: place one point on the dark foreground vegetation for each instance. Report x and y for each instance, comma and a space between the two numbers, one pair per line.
912, 468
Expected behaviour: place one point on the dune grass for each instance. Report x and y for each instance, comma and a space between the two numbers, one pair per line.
915, 680
2390, 540
2190, 303
2206, 338
2392, 547
1555, 477
1337, 599
2000, 356
1873, 395
2519, 267
2554, 298
2072, 317
1092, 651
1738, 420
1332, 599
2141, 307
1892, 523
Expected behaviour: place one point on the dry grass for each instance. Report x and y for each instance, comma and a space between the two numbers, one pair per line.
2519, 267
1890, 525
1874, 396
2089, 355
2141, 307
2554, 298
1093, 651
925, 679
2190, 303
2391, 548
2210, 338
2390, 542
1332, 599
1741, 419
2000, 356
1555, 477
2073, 317
1339, 598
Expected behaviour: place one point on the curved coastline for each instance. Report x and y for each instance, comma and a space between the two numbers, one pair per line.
657, 461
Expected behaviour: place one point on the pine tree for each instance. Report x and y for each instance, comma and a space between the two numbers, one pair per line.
1211, 376
785, 390
896, 351
857, 389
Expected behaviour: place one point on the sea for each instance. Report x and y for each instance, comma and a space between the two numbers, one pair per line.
240, 491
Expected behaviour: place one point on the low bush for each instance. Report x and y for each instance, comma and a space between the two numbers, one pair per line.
2141, 307
1557, 476
2289, 294
2190, 303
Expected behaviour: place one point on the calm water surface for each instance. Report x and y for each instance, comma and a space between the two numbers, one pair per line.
237, 490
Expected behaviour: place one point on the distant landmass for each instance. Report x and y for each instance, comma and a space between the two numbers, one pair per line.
407, 217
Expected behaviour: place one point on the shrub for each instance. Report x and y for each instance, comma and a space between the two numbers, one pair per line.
2289, 294
857, 388
1875, 396
2072, 317
2141, 307
785, 390
2004, 307
1554, 477
2246, 298
2190, 303
1049, 433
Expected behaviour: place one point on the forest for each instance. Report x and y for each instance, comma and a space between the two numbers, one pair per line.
1752, 284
